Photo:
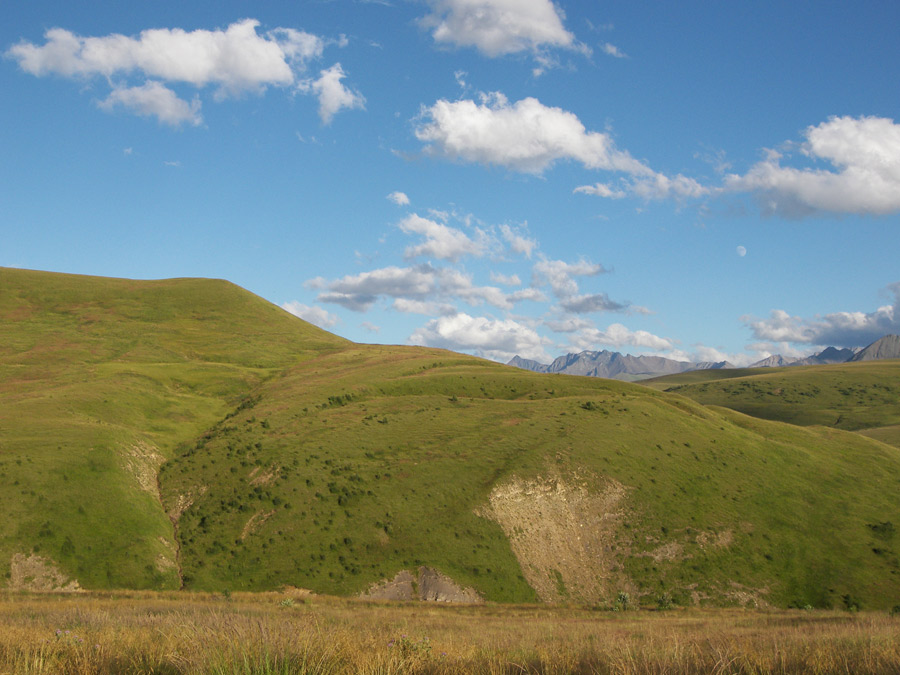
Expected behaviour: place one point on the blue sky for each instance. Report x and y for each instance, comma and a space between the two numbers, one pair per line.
698, 180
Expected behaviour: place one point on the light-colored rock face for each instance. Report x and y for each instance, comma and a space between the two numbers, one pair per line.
563, 534
143, 461
428, 585
437, 587
35, 573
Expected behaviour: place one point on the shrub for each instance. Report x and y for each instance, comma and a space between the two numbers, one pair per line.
664, 601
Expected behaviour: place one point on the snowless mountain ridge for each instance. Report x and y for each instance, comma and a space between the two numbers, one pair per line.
632, 368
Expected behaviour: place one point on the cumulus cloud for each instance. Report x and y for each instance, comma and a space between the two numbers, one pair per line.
315, 315
399, 198
864, 176
332, 94
360, 291
156, 100
423, 283
497, 27
525, 136
441, 241
235, 61
495, 339
838, 329
616, 335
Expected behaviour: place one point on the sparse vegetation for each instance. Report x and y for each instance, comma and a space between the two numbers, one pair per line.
861, 396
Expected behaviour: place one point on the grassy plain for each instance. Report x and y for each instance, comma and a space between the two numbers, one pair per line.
282, 633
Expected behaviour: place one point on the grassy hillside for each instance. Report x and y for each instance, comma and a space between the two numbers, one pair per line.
286, 455
353, 466
100, 380
863, 396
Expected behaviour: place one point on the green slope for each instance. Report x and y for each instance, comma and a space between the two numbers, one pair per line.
861, 396
378, 459
100, 380
290, 456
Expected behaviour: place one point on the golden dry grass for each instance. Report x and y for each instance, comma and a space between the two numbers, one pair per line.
284, 633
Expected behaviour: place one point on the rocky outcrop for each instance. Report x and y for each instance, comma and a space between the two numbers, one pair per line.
428, 585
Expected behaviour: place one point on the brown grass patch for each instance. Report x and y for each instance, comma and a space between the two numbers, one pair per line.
181, 633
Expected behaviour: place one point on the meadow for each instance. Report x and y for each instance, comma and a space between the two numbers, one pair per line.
171, 632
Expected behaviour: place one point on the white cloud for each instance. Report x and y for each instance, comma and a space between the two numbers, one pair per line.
532, 294
649, 185
423, 283
838, 329
315, 315
660, 186
408, 306
399, 198
495, 339
601, 190
155, 99
235, 60
359, 292
568, 324
559, 275
612, 50
506, 280
332, 94
616, 335
525, 136
864, 154
497, 27
441, 241
517, 242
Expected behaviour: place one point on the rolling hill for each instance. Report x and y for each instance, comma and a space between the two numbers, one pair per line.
860, 395
185, 433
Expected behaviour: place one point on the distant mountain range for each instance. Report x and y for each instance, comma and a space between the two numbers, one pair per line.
615, 366
630, 368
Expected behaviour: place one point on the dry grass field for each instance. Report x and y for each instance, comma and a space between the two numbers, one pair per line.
122, 632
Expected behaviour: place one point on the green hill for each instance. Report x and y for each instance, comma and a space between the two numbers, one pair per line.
186, 432
858, 396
